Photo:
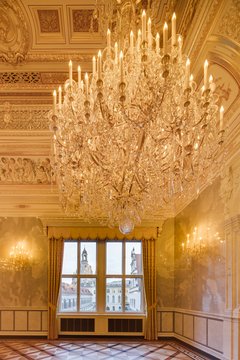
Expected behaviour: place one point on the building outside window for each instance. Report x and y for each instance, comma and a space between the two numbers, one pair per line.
104, 276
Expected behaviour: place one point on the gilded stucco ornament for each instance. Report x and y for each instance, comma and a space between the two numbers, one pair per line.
230, 24
14, 117
230, 190
14, 36
25, 170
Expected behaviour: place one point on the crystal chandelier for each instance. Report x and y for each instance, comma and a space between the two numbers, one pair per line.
137, 133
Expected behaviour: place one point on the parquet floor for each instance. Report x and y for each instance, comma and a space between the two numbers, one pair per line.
104, 350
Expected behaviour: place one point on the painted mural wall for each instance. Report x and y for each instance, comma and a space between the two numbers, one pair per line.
23, 263
200, 254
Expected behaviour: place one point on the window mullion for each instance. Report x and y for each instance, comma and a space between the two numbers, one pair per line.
78, 277
123, 277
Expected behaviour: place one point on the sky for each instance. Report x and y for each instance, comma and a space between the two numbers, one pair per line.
114, 251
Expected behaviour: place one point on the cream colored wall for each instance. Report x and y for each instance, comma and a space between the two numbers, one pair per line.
165, 265
23, 292
24, 287
199, 282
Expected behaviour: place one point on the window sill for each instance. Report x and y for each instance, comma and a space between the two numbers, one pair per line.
96, 315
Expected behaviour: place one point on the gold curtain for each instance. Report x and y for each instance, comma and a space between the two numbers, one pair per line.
55, 259
149, 273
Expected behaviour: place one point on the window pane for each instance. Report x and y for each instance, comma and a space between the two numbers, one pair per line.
88, 294
114, 294
133, 298
68, 300
70, 258
114, 258
87, 258
133, 259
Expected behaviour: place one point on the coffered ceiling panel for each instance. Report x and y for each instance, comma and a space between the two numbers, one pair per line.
63, 25
49, 25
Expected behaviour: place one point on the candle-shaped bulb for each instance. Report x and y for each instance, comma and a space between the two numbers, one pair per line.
116, 52
165, 37
180, 44
206, 74
131, 42
191, 79
121, 64
174, 34
157, 43
99, 64
149, 33
139, 40
86, 83
144, 25
180, 41
70, 72
221, 117
109, 41
60, 97
79, 76
187, 73
54, 101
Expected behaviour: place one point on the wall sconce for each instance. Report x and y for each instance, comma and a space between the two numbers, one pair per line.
19, 258
200, 241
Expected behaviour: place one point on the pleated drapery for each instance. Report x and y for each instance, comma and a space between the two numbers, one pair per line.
149, 273
55, 259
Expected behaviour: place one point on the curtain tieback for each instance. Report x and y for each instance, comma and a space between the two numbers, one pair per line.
151, 307
51, 306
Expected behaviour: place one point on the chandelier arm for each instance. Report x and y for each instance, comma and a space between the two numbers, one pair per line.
108, 113
98, 161
141, 141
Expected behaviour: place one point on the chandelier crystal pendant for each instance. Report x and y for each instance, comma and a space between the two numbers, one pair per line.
137, 133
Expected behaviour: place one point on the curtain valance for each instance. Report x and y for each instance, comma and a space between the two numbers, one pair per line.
102, 233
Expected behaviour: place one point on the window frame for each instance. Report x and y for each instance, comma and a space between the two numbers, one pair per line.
101, 280
125, 276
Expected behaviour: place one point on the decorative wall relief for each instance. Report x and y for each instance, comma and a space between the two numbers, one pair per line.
20, 78
23, 170
230, 24
84, 21
23, 286
14, 36
200, 275
230, 190
227, 87
49, 21
14, 117
189, 13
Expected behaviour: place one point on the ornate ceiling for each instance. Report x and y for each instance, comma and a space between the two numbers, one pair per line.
37, 38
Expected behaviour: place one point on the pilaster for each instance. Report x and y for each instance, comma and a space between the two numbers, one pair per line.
231, 328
